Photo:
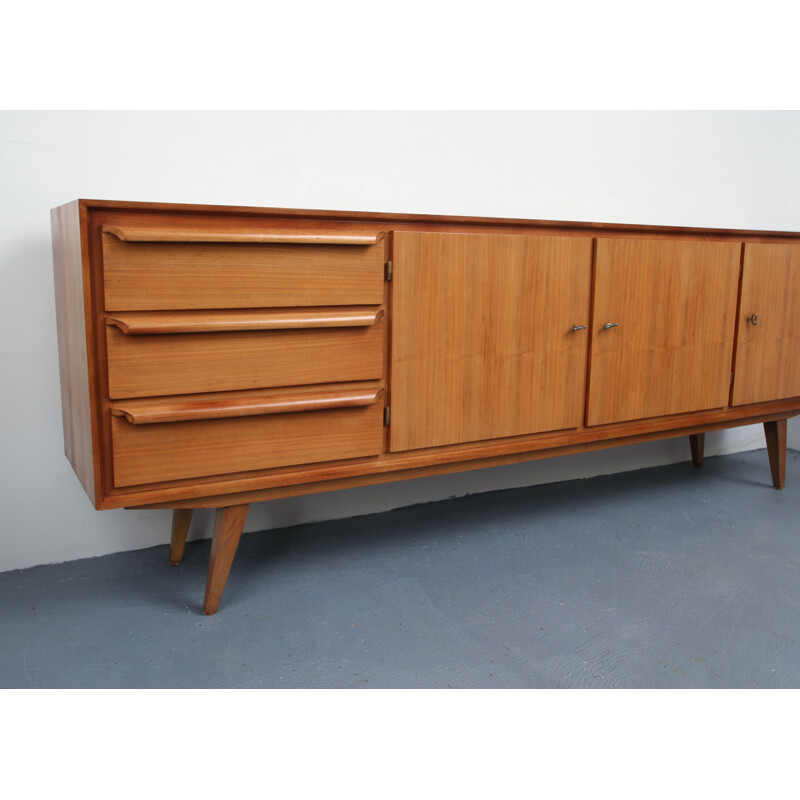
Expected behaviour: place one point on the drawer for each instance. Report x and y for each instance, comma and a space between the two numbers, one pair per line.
145, 270
168, 353
178, 438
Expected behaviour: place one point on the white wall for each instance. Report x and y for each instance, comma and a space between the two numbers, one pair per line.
737, 170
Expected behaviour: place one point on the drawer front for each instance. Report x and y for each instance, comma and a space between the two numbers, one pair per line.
167, 451
185, 363
183, 275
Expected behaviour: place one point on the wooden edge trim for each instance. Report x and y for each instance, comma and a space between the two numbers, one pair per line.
389, 220
140, 323
245, 407
157, 235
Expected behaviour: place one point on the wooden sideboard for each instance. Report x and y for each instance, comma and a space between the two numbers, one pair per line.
218, 356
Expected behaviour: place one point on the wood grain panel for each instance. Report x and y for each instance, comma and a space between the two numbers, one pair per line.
164, 364
483, 345
75, 350
149, 276
674, 303
175, 450
767, 363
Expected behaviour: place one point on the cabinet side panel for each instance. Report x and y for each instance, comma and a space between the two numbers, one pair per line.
71, 305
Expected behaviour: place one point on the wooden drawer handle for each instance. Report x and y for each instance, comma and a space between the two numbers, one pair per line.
131, 234
143, 322
148, 413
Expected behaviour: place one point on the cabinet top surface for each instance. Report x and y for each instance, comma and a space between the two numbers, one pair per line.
388, 218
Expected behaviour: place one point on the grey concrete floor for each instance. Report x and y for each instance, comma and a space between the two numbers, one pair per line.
666, 577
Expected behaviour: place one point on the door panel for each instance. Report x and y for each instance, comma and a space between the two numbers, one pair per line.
482, 338
674, 305
768, 353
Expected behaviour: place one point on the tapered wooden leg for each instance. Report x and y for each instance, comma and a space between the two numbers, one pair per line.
775, 433
228, 525
697, 442
181, 517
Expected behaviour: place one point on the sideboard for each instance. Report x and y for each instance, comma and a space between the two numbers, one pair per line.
214, 356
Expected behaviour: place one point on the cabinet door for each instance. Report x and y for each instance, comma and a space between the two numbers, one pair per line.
768, 352
483, 344
672, 305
